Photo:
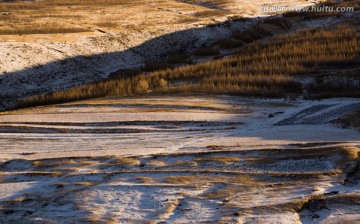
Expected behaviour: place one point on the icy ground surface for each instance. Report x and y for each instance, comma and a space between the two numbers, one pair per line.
180, 160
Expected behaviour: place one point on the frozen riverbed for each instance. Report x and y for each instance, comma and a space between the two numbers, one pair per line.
180, 159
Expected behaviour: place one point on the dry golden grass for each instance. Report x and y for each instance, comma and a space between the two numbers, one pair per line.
107, 24
46, 28
171, 206
39, 164
352, 153
23, 17
53, 16
209, 13
23, 5
112, 221
145, 179
226, 193
219, 159
246, 180
187, 19
180, 179
63, 162
86, 183
156, 163
2, 177
125, 161
150, 222
344, 154
94, 220
19, 199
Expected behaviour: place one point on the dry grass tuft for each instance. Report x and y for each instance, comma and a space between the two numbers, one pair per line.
86, 183
48, 163
157, 163
145, 179
171, 206
112, 221
44, 173
352, 153
180, 179
246, 181
219, 159
126, 161
221, 193
18, 199
94, 220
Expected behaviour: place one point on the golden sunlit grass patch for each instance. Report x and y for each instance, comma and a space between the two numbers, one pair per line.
209, 13
187, 19
86, 183
220, 194
43, 29
112, 221
171, 206
63, 163
125, 161
107, 24
180, 179
246, 180
19, 199
94, 220
352, 152
156, 163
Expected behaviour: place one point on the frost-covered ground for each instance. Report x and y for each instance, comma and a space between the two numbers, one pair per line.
141, 31
180, 160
